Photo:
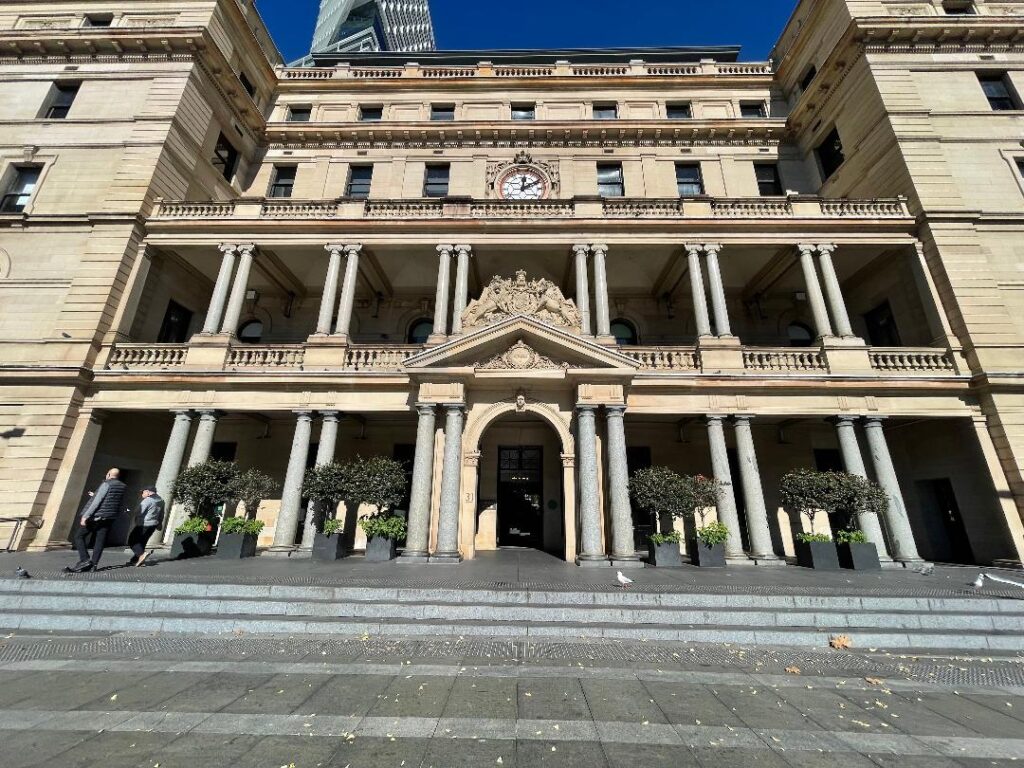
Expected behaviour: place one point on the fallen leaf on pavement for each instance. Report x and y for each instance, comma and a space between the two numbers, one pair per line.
793, 670
874, 680
840, 642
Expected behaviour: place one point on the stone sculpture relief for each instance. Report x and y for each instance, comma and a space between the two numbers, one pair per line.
520, 357
506, 297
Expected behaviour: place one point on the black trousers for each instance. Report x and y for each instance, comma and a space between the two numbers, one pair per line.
139, 536
100, 528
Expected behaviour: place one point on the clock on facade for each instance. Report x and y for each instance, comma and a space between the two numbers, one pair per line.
522, 183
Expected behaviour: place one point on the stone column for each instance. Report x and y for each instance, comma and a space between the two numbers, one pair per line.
348, 290
590, 511
853, 463
234, 311
604, 321
822, 326
418, 537
202, 443
753, 494
330, 295
905, 549
220, 289
441, 299
727, 514
623, 547
582, 252
170, 466
291, 492
324, 455
836, 303
718, 304
461, 298
700, 302
451, 482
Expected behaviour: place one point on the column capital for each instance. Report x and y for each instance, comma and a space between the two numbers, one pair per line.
467, 249
714, 248
712, 418
693, 247
586, 407
334, 247
247, 248
471, 459
599, 248
615, 410
844, 418
743, 417
454, 407
181, 412
304, 415
568, 460
872, 421
227, 248
351, 248
330, 415
209, 414
425, 409
806, 247
445, 249
826, 248
581, 249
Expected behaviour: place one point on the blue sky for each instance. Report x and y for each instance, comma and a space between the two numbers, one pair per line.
754, 24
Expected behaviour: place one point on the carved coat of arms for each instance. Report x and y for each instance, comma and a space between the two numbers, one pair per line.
520, 357
505, 297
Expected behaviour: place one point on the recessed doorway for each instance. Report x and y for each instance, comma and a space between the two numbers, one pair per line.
520, 496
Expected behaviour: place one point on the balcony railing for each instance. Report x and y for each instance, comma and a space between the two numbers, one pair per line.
904, 360
373, 358
266, 357
784, 359
147, 356
665, 358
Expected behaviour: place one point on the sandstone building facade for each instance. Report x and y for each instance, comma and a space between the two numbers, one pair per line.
526, 274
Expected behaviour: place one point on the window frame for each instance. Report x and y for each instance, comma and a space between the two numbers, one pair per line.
634, 331
679, 105
428, 183
760, 106
300, 108
959, 8
827, 174
246, 324
350, 182
54, 108
1012, 98
702, 191
105, 20
373, 107
442, 109
807, 79
247, 85
613, 107
616, 188
14, 174
530, 107
227, 166
279, 186
777, 189
419, 321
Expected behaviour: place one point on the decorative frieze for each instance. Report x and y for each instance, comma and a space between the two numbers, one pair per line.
520, 357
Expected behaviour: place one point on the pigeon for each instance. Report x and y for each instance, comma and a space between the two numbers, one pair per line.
926, 570
982, 576
624, 581
21, 573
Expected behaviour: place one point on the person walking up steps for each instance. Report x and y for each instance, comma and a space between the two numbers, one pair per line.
147, 520
99, 514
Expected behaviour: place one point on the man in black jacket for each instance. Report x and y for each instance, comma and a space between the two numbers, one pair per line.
105, 506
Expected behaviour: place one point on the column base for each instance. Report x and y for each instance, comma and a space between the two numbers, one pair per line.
767, 561
280, 551
739, 560
608, 341
413, 558
627, 564
436, 338
593, 561
445, 558
916, 562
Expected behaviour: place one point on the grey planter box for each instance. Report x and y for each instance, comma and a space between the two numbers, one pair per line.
704, 556
664, 555
235, 546
329, 547
188, 545
819, 555
380, 550
858, 557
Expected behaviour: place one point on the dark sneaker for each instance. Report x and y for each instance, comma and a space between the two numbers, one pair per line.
84, 567
77, 567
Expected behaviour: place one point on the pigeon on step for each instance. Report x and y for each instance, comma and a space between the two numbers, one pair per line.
21, 573
623, 580
926, 570
978, 582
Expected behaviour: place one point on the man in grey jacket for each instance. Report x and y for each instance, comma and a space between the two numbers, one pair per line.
147, 520
105, 506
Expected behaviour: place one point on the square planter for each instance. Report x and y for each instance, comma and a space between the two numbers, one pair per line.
820, 555
704, 556
858, 557
329, 547
380, 550
188, 545
664, 555
235, 546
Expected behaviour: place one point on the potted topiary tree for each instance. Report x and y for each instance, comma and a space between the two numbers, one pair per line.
809, 493
201, 489
380, 482
238, 535
659, 491
707, 550
325, 487
859, 496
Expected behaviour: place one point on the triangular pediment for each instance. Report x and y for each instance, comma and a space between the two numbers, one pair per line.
521, 344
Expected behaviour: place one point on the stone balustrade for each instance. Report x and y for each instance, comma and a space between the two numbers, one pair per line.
146, 356
906, 360
665, 358
378, 358
785, 359
266, 357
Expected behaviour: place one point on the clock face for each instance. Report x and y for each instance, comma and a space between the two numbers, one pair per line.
523, 184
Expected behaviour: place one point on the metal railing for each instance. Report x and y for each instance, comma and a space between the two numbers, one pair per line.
18, 523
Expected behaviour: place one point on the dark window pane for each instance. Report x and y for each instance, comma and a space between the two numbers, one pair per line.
768, 181
830, 153
800, 335
20, 191
436, 181
444, 113
688, 180
359, 179
881, 324
284, 181
624, 332
174, 328
371, 114
808, 78
605, 111
753, 109
249, 87
225, 158
958, 8
299, 114
997, 91
524, 112
609, 180
61, 99
679, 111
1020, 166
99, 19
251, 332
420, 331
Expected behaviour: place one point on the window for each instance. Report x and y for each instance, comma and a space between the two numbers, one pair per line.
99, 19
808, 78
251, 332
371, 114
59, 102
606, 111
958, 8
420, 331
609, 180
299, 114
753, 109
830, 154
799, 335
435, 180
247, 84
442, 112
524, 111
998, 91
359, 180
20, 190
174, 328
681, 111
768, 181
284, 181
881, 325
225, 158
688, 179
624, 332
1020, 166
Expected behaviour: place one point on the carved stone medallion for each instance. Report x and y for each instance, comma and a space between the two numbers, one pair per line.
505, 297
519, 357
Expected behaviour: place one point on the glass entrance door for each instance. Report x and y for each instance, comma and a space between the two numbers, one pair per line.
521, 496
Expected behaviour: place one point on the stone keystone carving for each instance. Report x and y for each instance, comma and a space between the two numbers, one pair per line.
506, 297
520, 357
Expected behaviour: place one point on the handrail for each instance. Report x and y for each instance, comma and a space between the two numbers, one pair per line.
18, 523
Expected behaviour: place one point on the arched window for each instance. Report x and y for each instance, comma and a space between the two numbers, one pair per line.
420, 330
624, 332
800, 335
251, 332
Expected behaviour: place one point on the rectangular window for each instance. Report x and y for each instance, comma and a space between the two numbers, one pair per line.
1020, 166
299, 114
444, 113
606, 111
225, 158
680, 111
524, 111
359, 179
284, 181
249, 87
371, 114
958, 8
435, 180
59, 102
609, 180
99, 19
174, 328
20, 190
998, 91
808, 78
753, 109
830, 154
881, 325
689, 182
768, 181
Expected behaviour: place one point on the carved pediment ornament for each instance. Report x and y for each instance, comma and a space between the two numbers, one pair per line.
506, 297
497, 169
520, 357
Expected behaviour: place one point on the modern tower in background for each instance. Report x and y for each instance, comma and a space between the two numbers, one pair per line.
373, 25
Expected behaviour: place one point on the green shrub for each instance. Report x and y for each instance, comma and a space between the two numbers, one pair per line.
667, 494
200, 488
253, 487
325, 483
808, 492
384, 527
810, 538
242, 525
332, 527
851, 537
665, 538
192, 526
713, 534
378, 481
